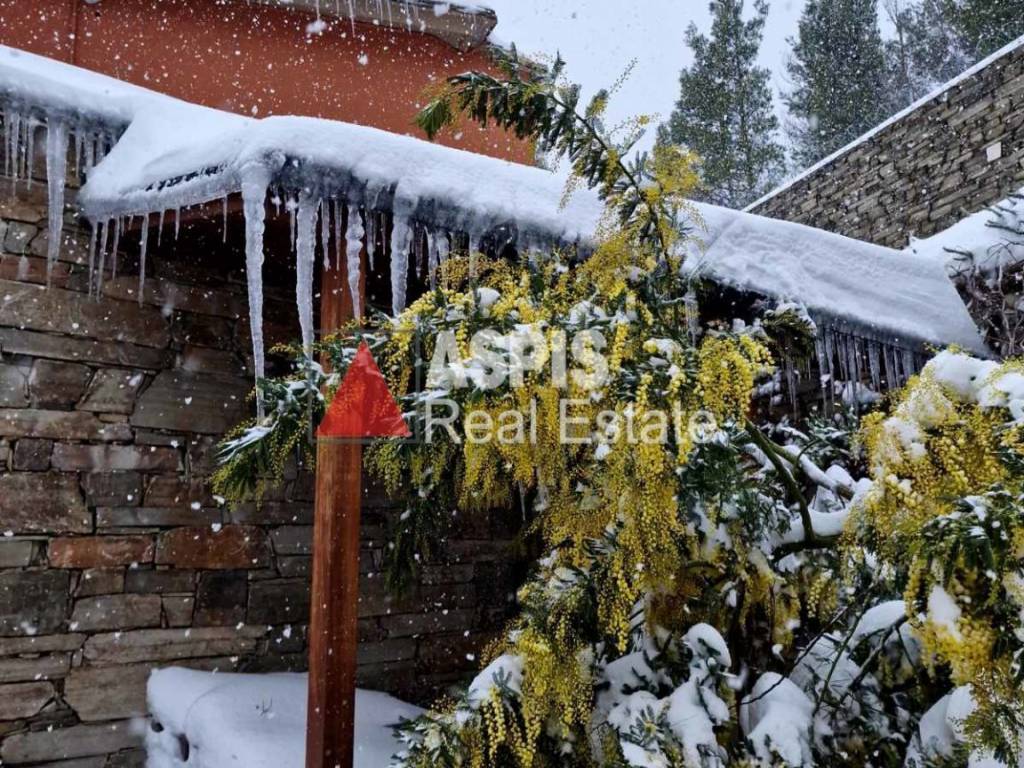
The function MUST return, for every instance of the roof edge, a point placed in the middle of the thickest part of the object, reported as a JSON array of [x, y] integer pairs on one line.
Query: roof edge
[[463, 27]]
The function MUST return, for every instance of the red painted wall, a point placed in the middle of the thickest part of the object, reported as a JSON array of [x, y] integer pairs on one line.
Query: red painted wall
[[253, 60]]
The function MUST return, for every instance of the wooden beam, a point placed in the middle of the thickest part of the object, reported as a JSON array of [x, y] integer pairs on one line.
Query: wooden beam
[[334, 605]]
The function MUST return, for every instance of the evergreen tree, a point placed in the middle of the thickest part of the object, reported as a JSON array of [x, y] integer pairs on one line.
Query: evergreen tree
[[925, 50], [724, 113], [839, 74], [986, 25]]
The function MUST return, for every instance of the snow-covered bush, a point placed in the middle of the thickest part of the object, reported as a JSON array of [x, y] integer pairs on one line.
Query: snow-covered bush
[[727, 594]]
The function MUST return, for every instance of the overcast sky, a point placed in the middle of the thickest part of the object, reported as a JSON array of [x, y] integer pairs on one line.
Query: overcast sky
[[598, 39]]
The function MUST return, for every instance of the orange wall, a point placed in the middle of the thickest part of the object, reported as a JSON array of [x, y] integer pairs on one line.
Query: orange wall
[[252, 59]]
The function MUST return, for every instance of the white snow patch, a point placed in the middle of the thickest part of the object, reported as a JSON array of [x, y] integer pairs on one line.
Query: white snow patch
[[254, 721]]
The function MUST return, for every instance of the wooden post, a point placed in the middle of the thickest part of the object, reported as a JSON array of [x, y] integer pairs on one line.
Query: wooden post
[[334, 605]]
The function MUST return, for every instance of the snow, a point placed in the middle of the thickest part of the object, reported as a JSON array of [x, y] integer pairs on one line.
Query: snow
[[880, 292], [173, 155], [776, 718], [939, 92], [985, 234], [254, 721]]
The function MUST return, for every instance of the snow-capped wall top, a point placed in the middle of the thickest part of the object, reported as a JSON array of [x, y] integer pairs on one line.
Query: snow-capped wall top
[[175, 154], [935, 94], [993, 237]]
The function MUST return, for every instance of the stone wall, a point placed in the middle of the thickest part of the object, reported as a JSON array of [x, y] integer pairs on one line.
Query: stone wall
[[114, 556], [960, 152]]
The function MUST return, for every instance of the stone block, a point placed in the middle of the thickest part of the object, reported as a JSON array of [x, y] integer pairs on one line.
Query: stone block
[[432, 622], [112, 489], [51, 666], [214, 361], [221, 598], [16, 341], [171, 644], [18, 553], [18, 236], [57, 385], [159, 582], [113, 390], [272, 513], [115, 458], [202, 330], [108, 693], [179, 610], [387, 650], [66, 743], [100, 581], [13, 386], [107, 612], [100, 551], [60, 425], [32, 602], [279, 602], [32, 455], [295, 567], [231, 547], [154, 517], [292, 540], [36, 644], [20, 700], [191, 402], [42, 503], [54, 310]]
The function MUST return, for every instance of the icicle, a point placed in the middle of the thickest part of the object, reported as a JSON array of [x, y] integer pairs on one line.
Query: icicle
[[177, 223], [90, 152], [113, 254], [8, 141], [336, 212], [692, 311], [143, 242], [56, 175], [819, 351], [791, 384], [93, 242], [14, 148], [305, 260], [400, 234], [431, 258], [325, 233], [30, 149], [353, 249], [224, 226], [160, 228], [352, 15], [909, 367], [373, 220], [890, 369], [875, 366], [255, 180], [102, 258]]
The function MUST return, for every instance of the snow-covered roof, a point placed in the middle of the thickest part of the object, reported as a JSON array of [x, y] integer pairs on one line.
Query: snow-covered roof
[[938, 93], [993, 237], [175, 154], [866, 289]]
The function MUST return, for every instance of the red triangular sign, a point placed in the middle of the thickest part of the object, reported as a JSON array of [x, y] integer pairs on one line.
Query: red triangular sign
[[363, 406]]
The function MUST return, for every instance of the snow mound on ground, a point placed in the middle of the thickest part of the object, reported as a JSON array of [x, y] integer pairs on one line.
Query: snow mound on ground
[[253, 721]]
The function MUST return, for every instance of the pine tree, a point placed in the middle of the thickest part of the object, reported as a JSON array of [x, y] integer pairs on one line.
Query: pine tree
[[724, 113], [986, 25], [925, 50], [838, 71]]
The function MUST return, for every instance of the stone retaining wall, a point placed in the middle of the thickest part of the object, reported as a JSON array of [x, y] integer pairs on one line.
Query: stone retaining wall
[[960, 152], [114, 556]]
